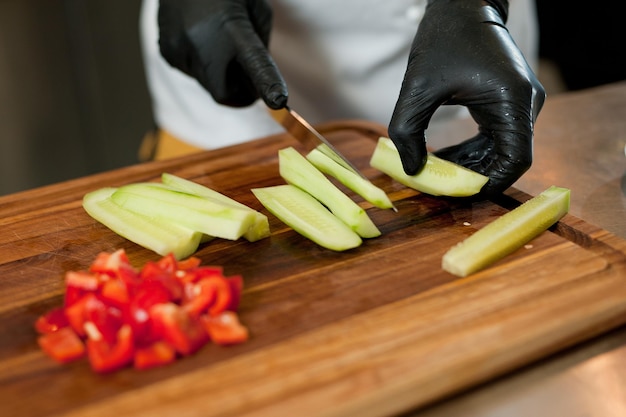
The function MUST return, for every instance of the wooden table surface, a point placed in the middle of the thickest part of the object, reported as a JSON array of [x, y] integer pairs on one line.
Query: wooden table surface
[[379, 330]]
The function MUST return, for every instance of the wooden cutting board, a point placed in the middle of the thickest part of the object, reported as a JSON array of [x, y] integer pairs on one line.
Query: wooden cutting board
[[378, 330]]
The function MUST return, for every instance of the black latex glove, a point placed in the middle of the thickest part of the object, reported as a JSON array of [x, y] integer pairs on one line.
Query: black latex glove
[[462, 54], [223, 44]]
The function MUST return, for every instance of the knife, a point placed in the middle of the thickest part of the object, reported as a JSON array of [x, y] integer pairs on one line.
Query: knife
[[306, 134]]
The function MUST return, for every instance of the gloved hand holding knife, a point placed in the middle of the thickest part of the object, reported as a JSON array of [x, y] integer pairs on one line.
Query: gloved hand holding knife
[[223, 44], [462, 54]]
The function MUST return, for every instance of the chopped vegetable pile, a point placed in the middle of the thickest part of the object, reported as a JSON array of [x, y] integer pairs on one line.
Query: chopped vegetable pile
[[118, 316]]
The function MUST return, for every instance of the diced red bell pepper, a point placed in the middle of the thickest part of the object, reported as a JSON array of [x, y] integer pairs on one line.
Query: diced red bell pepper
[[76, 313], [146, 316], [225, 328], [79, 283], [223, 294], [84, 280], [106, 318], [110, 263], [154, 273], [236, 288], [63, 345], [138, 310], [115, 292], [168, 263], [130, 277], [52, 321], [157, 354], [178, 328], [191, 262], [196, 274], [116, 265], [200, 296], [213, 294], [107, 357]]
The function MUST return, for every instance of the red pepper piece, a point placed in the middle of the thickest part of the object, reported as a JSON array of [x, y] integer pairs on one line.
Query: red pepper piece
[[224, 295], [236, 288], [200, 296], [209, 271], [115, 292], [106, 318], [196, 274], [225, 328], [83, 280], [109, 263], [178, 328], [115, 265], [191, 262], [130, 277], [52, 321], [138, 310], [79, 283], [63, 346], [168, 263], [77, 314], [157, 354], [153, 272], [107, 357]]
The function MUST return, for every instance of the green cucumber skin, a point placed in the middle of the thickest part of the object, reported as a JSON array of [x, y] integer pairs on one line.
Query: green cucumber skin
[[297, 170], [353, 181], [507, 233], [158, 237], [461, 183], [260, 229], [307, 216], [197, 213]]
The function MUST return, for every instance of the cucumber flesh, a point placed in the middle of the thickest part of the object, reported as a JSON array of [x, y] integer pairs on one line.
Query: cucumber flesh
[[438, 177], [298, 171], [307, 216], [507, 233], [162, 238], [163, 203], [353, 181], [258, 230]]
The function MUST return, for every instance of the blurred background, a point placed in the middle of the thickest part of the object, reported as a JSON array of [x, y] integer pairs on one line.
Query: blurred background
[[74, 101], [73, 97]]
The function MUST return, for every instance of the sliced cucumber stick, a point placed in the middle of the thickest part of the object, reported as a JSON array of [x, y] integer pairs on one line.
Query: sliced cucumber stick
[[200, 214], [307, 216], [160, 237], [260, 228], [507, 233], [298, 171], [438, 177], [350, 179]]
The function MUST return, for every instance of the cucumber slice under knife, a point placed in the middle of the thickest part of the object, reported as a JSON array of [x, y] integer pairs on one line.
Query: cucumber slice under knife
[[350, 179], [307, 216], [298, 171]]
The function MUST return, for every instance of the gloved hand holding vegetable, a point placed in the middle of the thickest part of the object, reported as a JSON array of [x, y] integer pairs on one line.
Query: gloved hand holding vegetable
[[223, 44], [462, 54]]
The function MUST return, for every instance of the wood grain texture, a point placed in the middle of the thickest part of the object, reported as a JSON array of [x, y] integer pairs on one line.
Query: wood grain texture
[[373, 331]]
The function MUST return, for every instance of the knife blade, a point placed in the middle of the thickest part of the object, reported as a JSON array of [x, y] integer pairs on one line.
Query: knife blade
[[306, 134]]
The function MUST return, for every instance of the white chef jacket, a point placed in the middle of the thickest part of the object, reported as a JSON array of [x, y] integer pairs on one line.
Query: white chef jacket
[[341, 59]]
